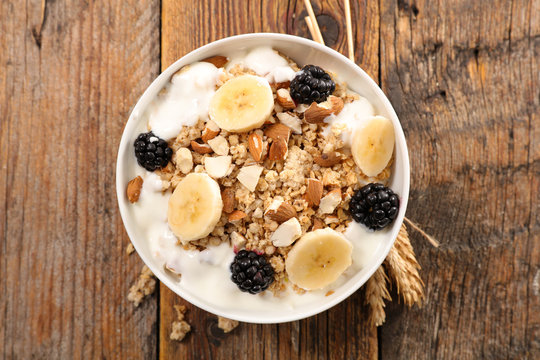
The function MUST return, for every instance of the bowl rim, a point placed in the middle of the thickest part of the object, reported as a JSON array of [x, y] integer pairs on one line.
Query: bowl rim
[[167, 73]]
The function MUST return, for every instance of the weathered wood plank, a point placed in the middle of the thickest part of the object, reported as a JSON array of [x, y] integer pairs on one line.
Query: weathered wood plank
[[341, 332], [464, 79], [65, 94]]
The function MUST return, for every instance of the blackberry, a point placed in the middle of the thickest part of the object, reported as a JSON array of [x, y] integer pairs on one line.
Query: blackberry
[[311, 84], [374, 205], [251, 272], [152, 152]]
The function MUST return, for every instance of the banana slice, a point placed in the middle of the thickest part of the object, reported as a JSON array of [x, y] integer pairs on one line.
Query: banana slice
[[373, 145], [318, 258], [242, 103], [194, 207]]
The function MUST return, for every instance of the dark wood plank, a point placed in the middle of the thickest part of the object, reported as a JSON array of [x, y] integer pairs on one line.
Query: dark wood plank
[[65, 94], [464, 79], [342, 332]]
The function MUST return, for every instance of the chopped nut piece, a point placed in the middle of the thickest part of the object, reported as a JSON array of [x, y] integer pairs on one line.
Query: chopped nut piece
[[184, 160], [256, 146], [331, 219], [220, 145], [217, 167], [317, 224], [249, 176], [210, 131], [218, 60], [286, 233], [316, 113], [330, 201], [290, 121], [280, 211], [328, 159], [170, 269], [133, 190], [330, 292], [236, 215], [227, 196], [277, 131], [238, 241], [201, 148], [227, 325], [284, 99], [314, 192], [278, 150]]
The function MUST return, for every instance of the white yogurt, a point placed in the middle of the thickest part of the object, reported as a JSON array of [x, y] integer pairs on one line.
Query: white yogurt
[[352, 117], [205, 274], [265, 62], [185, 101]]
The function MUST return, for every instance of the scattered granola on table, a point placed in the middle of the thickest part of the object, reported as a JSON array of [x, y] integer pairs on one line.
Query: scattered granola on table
[[180, 328], [144, 286]]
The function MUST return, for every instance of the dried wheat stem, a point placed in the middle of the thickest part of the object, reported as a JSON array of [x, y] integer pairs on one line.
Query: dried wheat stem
[[376, 293], [403, 269], [422, 232]]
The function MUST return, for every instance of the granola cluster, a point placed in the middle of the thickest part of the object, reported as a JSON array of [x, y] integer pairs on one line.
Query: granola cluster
[[295, 168]]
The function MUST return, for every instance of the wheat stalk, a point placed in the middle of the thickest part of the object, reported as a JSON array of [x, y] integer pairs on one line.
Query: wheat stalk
[[376, 293], [403, 269]]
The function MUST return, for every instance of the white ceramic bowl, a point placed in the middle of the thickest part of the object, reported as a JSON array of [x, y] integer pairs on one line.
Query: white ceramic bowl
[[302, 51]]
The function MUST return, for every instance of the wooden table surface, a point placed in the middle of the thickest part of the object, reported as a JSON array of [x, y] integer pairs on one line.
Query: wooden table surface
[[464, 78]]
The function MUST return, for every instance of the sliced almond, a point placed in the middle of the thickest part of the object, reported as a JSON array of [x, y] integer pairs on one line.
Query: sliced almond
[[316, 113], [328, 159], [211, 130], [227, 196], [317, 224], [291, 121], [314, 192], [329, 203], [236, 215], [218, 60], [283, 98], [256, 146], [201, 148], [220, 145], [133, 190], [278, 150], [282, 213], [277, 131]]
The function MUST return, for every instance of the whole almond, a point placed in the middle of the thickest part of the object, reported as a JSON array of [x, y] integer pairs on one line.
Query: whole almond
[[227, 196], [278, 150], [218, 60], [256, 146], [277, 131], [327, 159], [314, 192], [283, 98], [284, 212], [236, 215], [201, 148], [133, 190]]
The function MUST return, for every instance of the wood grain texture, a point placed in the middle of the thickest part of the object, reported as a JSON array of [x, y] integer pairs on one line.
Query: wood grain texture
[[464, 77], [65, 94], [340, 333]]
